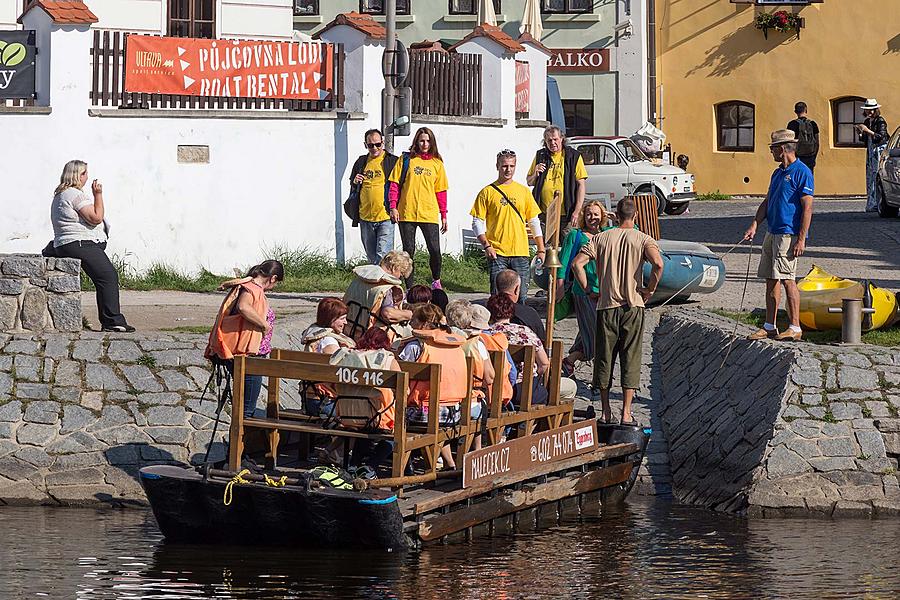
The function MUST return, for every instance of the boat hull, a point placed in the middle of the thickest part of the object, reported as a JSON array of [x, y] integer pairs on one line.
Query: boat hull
[[191, 509], [688, 268], [820, 290]]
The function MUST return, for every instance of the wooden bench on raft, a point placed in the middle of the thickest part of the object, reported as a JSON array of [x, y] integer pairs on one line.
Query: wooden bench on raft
[[313, 367], [549, 416]]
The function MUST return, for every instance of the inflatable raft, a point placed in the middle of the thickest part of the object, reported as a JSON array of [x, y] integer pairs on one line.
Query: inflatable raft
[[689, 268], [820, 290]]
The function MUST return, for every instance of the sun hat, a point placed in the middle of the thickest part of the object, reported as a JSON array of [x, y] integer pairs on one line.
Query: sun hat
[[782, 136], [871, 104], [481, 317]]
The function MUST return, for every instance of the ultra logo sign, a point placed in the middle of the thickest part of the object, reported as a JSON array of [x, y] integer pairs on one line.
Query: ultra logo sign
[[17, 53]]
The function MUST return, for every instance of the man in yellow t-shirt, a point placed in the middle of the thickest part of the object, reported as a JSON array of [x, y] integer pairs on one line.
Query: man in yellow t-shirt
[[370, 173], [499, 218], [558, 168]]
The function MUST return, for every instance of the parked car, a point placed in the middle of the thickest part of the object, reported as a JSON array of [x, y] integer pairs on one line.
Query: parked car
[[888, 178], [616, 166]]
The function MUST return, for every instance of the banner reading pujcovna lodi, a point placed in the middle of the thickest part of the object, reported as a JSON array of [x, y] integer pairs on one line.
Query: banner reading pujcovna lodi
[[229, 68]]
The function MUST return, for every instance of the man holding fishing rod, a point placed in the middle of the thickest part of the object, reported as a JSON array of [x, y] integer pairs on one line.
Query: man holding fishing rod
[[787, 210]]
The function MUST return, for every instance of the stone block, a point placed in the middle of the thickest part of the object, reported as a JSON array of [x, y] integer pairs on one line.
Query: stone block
[[811, 399], [135, 409], [199, 375], [123, 351], [75, 418], [36, 434], [176, 381], [857, 378], [64, 283], [169, 435], [6, 383], [65, 394], [847, 508], [852, 359], [877, 465], [845, 411], [878, 409], [886, 508], [6, 361], [68, 372], [794, 412], [888, 425], [804, 447], [891, 487], [166, 415], [66, 312], [57, 347], [102, 377], [141, 378], [77, 460], [39, 282], [817, 412], [112, 416], [34, 313], [45, 412], [89, 350], [24, 266], [782, 462], [80, 495], [47, 370], [891, 442], [33, 391], [72, 266], [124, 455], [201, 422], [85, 476], [871, 443], [92, 400], [836, 430], [22, 347], [28, 368], [832, 463], [9, 312], [16, 469], [843, 446], [126, 434], [11, 287], [34, 456], [162, 399], [807, 377], [11, 411], [74, 443], [772, 500]]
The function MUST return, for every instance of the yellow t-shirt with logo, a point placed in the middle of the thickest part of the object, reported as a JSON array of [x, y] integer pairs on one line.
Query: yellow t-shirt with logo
[[371, 196], [555, 176], [418, 200], [506, 231]]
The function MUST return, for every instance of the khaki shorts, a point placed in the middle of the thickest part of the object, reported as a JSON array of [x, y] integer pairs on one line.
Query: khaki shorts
[[778, 260]]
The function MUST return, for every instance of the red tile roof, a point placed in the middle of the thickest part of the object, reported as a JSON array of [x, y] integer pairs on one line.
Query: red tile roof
[[358, 21], [495, 33], [526, 37], [427, 46], [65, 12]]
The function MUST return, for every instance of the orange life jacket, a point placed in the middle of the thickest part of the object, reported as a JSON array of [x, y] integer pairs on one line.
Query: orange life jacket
[[232, 335], [470, 347], [445, 349], [497, 342], [359, 407]]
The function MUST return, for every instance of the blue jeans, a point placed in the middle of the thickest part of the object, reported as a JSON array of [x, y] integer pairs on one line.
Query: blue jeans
[[377, 239], [519, 264], [252, 387]]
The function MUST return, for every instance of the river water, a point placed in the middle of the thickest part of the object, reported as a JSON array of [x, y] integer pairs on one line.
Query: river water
[[647, 549]]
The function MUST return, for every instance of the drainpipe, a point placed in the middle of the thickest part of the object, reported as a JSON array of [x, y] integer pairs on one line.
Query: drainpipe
[[387, 97], [651, 62]]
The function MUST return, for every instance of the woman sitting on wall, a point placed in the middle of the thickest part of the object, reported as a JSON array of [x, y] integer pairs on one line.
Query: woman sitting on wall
[[433, 343], [245, 323], [79, 231]]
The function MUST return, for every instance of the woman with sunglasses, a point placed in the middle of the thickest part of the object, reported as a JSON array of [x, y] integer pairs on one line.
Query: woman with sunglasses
[[873, 132], [369, 178], [418, 200]]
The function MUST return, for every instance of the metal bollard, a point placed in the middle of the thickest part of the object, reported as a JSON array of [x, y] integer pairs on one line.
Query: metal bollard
[[851, 319]]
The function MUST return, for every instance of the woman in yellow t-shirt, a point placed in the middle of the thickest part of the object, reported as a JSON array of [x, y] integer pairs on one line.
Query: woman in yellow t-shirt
[[418, 199]]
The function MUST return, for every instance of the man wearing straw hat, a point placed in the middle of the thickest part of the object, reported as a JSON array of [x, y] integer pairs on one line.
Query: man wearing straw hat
[[787, 211]]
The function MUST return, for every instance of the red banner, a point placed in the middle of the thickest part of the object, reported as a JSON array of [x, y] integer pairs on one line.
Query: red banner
[[523, 87], [229, 68]]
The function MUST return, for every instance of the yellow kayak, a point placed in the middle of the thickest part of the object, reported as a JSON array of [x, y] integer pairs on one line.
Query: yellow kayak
[[820, 290]]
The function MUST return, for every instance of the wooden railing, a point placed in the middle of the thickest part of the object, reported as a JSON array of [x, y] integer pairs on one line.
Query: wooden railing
[[445, 83], [108, 85]]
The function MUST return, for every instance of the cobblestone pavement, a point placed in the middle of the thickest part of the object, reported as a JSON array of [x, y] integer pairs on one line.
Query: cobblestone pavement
[[843, 240]]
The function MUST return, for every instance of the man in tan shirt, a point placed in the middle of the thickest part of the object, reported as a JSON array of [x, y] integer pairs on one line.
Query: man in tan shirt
[[620, 254]]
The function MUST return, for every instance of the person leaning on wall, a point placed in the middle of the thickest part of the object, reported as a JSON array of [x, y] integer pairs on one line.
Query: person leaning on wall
[[80, 231]]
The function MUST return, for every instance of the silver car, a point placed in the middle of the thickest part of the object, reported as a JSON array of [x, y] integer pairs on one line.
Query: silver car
[[888, 182]]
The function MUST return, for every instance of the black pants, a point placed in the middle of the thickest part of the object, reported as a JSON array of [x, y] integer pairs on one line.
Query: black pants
[[103, 274], [432, 233], [809, 161]]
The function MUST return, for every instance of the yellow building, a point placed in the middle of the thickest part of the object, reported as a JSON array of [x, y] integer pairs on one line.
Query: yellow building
[[723, 86]]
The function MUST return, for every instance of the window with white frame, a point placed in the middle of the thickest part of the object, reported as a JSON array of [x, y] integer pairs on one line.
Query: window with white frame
[[306, 8], [847, 114], [735, 126], [376, 7], [566, 6], [469, 7]]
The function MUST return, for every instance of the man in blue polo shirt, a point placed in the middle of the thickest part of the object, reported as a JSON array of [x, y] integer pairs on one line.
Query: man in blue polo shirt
[[787, 210]]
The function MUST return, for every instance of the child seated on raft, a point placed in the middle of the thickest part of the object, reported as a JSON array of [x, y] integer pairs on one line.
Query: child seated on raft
[[434, 343]]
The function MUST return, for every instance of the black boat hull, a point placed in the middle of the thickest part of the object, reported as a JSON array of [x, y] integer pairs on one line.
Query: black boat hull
[[189, 509]]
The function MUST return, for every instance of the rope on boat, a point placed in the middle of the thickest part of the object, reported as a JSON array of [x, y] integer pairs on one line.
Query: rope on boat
[[237, 479], [280, 482]]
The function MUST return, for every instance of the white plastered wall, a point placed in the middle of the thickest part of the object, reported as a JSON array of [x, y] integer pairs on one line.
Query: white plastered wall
[[10, 10]]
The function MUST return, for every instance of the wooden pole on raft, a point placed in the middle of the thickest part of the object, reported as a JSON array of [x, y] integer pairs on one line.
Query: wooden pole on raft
[[551, 258]]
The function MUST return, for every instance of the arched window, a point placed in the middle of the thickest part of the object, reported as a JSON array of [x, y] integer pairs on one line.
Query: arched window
[[192, 18], [846, 113], [735, 126]]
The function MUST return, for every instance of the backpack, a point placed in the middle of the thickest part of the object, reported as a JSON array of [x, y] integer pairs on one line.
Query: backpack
[[807, 142], [403, 172]]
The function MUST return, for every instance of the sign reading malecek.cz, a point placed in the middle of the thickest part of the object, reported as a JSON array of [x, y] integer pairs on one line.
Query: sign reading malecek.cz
[[17, 51], [229, 68]]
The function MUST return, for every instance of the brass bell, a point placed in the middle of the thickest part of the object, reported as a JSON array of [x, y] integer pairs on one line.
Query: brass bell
[[552, 259]]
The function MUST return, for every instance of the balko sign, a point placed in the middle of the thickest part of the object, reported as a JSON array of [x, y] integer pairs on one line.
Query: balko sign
[[578, 60]]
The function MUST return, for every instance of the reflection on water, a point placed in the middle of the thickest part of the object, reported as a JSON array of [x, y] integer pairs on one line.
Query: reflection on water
[[647, 549]]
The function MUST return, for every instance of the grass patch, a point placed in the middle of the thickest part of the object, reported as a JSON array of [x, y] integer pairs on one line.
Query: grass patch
[[189, 329], [305, 270], [878, 337], [713, 196], [828, 417], [147, 360]]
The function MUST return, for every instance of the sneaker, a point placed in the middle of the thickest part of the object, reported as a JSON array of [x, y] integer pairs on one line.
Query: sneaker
[[789, 335], [762, 333], [118, 328], [436, 285]]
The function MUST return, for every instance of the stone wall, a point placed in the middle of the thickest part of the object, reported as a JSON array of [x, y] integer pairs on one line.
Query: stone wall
[[39, 294], [777, 428]]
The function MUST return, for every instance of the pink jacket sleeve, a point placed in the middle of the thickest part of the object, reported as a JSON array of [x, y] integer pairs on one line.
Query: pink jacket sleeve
[[442, 202], [394, 195]]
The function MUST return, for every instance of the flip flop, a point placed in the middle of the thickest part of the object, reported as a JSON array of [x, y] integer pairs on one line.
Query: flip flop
[[631, 423]]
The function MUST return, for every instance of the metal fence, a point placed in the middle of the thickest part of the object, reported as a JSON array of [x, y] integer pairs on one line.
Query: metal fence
[[445, 83], [108, 85]]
